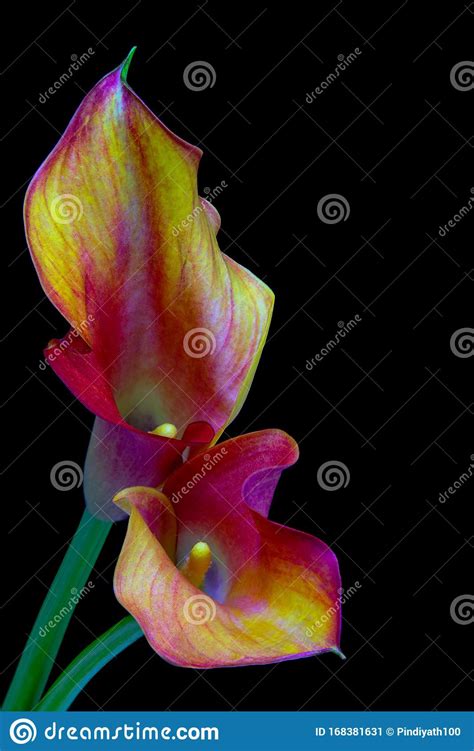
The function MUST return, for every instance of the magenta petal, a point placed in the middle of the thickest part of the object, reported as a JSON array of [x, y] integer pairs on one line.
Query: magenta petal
[[117, 458]]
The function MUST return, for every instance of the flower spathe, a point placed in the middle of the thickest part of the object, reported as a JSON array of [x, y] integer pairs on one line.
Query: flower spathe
[[171, 328], [211, 581]]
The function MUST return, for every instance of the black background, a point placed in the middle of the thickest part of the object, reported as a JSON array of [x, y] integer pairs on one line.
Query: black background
[[393, 402]]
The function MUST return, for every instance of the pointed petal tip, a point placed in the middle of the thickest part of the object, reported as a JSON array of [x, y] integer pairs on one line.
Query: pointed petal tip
[[338, 652], [126, 65]]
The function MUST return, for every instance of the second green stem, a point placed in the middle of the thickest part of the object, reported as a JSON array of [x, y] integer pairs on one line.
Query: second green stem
[[53, 618]]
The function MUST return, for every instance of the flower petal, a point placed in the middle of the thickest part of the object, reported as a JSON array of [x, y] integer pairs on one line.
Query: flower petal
[[119, 236], [119, 455], [282, 604], [271, 593], [245, 469], [81, 371], [156, 510]]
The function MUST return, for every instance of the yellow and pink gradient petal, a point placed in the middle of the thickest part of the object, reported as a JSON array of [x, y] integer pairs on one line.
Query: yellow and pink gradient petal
[[126, 250], [211, 581]]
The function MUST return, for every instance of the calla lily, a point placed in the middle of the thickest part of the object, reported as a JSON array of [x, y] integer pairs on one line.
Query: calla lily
[[166, 331], [210, 580]]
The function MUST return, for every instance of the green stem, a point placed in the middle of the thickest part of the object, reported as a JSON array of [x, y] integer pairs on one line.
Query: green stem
[[92, 659], [53, 618]]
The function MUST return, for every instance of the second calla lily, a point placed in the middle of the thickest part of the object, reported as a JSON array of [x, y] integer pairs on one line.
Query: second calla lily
[[210, 580], [166, 330]]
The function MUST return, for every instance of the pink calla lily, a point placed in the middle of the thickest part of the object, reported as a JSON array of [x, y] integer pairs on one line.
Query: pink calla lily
[[210, 580], [166, 331]]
